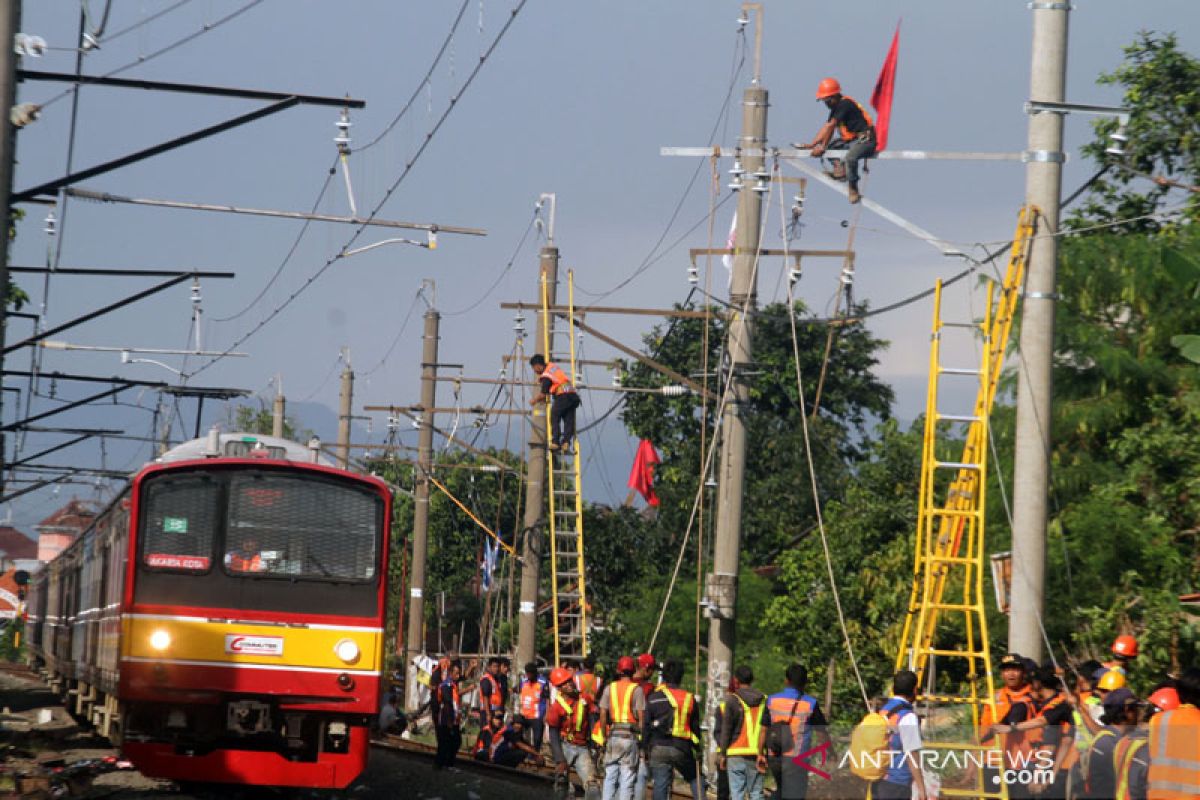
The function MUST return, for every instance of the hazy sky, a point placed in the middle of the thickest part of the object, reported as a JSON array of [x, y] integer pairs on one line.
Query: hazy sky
[[577, 99]]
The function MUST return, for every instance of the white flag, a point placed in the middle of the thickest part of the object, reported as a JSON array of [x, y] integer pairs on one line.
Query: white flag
[[727, 260]]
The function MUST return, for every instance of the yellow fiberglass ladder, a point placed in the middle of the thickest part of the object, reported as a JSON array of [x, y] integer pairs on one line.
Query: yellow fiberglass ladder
[[568, 587], [950, 533]]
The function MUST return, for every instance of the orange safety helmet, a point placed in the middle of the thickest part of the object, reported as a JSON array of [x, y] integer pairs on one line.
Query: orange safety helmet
[[1125, 645], [1166, 699], [559, 676], [828, 87], [1111, 680]]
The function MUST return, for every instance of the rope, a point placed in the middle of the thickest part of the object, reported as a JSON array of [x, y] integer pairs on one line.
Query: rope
[[812, 474], [725, 393], [468, 512]]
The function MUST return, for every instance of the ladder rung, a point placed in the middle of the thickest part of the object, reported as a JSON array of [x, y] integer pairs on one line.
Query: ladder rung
[[952, 699], [959, 325], [951, 653], [958, 417], [956, 465], [558, 512], [951, 559], [954, 512], [957, 371], [951, 607]]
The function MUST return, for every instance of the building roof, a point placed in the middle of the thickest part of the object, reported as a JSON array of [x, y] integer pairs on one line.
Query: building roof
[[74, 516], [14, 544]]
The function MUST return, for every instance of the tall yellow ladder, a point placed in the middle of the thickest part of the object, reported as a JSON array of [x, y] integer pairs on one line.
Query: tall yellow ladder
[[950, 533], [565, 495]]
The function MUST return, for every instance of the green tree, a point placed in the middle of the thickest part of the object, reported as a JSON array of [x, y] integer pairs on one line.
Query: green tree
[[1162, 89], [261, 420]]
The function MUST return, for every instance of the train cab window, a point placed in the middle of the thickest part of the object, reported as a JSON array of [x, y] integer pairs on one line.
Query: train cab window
[[180, 520], [301, 527]]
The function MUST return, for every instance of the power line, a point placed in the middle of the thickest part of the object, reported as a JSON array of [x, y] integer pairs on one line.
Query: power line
[[423, 82], [291, 251], [650, 259], [411, 308], [429, 137], [210, 26], [144, 21], [507, 267]]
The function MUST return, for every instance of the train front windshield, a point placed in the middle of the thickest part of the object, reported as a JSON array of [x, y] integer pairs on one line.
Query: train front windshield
[[259, 539]]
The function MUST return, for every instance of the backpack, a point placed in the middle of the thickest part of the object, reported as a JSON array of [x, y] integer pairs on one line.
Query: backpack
[[869, 743]]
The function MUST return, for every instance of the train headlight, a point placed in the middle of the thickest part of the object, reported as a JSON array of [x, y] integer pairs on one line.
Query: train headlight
[[160, 640], [347, 651]]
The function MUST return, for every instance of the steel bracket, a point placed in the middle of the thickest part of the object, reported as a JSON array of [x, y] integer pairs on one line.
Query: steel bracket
[[1043, 157]]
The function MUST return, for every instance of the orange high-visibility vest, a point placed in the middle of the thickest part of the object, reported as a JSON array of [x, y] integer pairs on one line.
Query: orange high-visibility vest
[[682, 701], [531, 699], [574, 724], [1127, 750], [746, 742], [794, 713], [1011, 743], [560, 383], [239, 563], [493, 698], [588, 684], [620, 698], [845, 132], [1175, 754]]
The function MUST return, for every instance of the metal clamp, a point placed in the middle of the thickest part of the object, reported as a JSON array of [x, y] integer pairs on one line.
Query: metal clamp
[[1042, 296], [1043, 157], [1050, 7]]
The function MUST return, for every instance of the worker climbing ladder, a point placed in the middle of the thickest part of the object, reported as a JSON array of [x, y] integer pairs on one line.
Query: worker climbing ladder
[[568, 587], [950, 533]]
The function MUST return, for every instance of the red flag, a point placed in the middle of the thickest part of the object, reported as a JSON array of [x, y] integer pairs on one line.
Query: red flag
[[641, 477], [881, 98]]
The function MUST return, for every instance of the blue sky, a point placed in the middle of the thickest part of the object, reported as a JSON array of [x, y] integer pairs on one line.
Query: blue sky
[[576, 100]]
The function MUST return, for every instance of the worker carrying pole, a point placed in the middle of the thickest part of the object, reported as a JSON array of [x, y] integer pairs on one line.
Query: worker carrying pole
[[855, 132]]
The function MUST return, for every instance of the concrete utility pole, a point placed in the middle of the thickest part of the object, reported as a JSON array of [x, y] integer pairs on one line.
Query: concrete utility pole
[[722, 583], [345, 415], [1031, 474], [420, 536], [535, 477], [279, 410], [10, 23]]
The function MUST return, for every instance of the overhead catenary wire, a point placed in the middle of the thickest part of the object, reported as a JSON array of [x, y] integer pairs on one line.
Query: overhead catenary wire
[[291, 250], [209, 26], [739, 60], [112, 37], [503, 272], [430, 136], [420, 84]]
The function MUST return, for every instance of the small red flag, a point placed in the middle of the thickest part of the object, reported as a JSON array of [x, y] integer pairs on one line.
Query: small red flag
[[641, 477], [881, 98]]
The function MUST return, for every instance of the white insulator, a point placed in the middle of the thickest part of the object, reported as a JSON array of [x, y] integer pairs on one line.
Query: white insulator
[[674, 390]]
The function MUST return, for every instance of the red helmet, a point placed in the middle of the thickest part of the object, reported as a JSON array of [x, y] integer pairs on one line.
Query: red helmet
[[646, 661], [1166, 699], [560, 675], [1125, 645], [625, 665], [828, 87]]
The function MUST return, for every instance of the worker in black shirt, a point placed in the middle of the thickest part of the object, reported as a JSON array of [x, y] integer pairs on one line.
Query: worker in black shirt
[[855, 131], [1046, 719], [555, 385], [670, 733]]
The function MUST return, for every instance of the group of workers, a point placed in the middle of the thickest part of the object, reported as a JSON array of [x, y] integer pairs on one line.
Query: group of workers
[[1083, 734], [1096, 739], [633, 731]]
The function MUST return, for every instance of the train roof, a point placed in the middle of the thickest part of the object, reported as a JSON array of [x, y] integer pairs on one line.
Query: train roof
[[241, 445]]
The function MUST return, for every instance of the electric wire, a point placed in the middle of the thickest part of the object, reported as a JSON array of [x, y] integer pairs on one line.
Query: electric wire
[[396, 339], [430, 136], [507, 267], [291, 251], [816, 495], [739, 60], [420, 85], [210, 26], [112, 37]]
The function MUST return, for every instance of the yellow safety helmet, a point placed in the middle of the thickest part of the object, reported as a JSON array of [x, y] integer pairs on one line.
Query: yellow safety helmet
[[1111, 680]]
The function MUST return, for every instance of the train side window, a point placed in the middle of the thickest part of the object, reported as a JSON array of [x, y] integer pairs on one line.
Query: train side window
[[180, 522]]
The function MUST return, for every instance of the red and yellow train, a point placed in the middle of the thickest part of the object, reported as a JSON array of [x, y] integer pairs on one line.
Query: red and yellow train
[[222, 619]]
